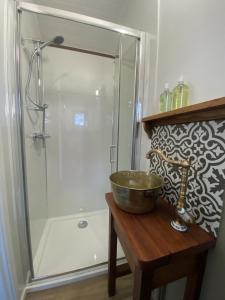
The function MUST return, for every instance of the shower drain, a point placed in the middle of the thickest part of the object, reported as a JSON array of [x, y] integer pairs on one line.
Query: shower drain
[[82, 224]]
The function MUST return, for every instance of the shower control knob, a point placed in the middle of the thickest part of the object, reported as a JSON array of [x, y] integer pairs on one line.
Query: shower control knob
[[38, 135]]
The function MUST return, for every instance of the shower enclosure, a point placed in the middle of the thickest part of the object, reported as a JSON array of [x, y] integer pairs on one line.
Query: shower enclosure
[[80, 104]]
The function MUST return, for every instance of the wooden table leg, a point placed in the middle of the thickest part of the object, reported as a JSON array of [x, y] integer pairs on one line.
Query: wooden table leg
[[194, 280], [112, 258], [142, 288]]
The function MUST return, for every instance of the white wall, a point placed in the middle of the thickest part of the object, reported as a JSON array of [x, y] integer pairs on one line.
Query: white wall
[[137, 14], [79, 35], [7, 288], [191, 42], [102, 9], [34, 151], [13, 243]]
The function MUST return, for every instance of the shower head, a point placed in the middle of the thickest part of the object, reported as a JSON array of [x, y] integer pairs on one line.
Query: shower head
[[57, 40]]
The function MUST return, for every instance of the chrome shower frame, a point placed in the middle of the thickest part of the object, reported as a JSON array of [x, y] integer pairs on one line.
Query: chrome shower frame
[[143, 51]]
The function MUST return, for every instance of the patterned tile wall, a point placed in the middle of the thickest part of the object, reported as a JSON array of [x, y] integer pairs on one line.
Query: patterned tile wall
[[204, 144]]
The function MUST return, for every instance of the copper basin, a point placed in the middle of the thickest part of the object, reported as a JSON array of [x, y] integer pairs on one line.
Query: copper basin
[[136, 191]]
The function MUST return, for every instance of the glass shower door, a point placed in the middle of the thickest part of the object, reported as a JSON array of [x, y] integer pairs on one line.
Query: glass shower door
[[79, 121], [90, 97], [126, 107]]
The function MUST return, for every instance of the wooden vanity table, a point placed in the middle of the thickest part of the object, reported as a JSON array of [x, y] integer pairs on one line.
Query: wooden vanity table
[[156, 253]]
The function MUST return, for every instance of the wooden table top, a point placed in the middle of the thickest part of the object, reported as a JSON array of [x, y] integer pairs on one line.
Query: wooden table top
[[151, 239]]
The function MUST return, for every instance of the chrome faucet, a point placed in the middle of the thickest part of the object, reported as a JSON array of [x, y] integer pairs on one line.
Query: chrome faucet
[[183, 217]]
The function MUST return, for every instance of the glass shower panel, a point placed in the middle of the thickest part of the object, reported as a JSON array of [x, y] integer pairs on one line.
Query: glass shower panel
[[113, 150], [86, 98], [127, 102], [79, 93], [35, 151]]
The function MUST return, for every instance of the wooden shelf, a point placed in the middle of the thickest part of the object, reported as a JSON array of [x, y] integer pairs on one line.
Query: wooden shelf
[[205, 111]]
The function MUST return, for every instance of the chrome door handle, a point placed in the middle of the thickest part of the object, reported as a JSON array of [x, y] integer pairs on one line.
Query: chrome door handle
[[110, 153]]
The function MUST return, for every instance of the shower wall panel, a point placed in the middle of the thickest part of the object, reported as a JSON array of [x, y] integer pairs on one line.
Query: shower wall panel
[[34, 150], [127, 101], [79, 92]]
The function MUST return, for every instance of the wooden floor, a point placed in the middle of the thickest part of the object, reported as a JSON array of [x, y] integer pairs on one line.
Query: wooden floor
[[91, 289]]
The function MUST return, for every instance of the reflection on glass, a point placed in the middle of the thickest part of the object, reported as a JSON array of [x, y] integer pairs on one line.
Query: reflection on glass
[[79, 119]]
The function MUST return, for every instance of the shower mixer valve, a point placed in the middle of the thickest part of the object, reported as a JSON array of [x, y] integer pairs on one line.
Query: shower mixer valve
[[39, 135]]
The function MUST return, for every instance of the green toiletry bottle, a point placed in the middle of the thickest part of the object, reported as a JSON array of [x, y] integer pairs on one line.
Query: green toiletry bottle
[[180, 97], [165, 99]]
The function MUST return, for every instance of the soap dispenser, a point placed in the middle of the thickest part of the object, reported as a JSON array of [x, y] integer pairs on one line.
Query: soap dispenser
[[165, 99], [180, 95]]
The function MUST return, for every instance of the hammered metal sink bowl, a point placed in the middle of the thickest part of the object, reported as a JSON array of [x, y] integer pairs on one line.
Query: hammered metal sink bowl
[[136, 191]]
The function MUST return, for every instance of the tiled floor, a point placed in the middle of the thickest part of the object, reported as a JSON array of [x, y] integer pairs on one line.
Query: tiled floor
[[91, 289]]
